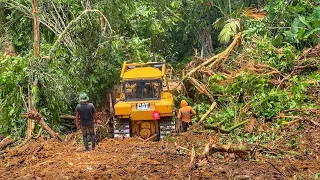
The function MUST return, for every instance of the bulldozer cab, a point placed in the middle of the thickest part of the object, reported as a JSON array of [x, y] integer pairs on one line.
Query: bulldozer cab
[[136, 90], [143, 96]]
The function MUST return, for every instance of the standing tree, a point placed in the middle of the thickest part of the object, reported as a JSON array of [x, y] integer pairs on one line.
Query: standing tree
[[36, 48]]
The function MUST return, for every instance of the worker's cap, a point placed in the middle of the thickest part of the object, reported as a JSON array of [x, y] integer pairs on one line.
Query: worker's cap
[[83, 97]]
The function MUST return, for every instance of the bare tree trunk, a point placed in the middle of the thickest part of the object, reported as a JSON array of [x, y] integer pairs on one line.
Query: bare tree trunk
[[207, 47], [36, 29], [36, 48]]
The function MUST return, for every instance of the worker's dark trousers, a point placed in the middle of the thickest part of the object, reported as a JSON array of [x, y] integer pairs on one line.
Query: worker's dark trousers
[[185, 126], [85, 137]]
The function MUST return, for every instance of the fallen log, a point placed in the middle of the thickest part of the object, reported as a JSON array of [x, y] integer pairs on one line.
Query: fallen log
[[236, 41], [230, 148], [220, 56], [242, 150], [35, 115], [67, 117], [6, 142], [223, 130]]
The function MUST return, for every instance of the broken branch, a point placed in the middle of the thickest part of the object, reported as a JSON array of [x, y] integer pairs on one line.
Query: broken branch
[[180, 147], [220, 56], [35, 115], [223, 55], [226, 131], [201, 88], [298, 119], [192, 158], [276, 168], [207, 113], [6, 142]]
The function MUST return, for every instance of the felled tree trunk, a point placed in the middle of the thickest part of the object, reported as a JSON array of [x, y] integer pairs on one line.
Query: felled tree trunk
[[35, 115], [230, 148], [67, 116], [243, 151], [6, 142], [218, 57]]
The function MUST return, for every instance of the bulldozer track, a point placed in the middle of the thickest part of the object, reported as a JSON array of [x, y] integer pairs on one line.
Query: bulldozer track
[[121, 127], [167, 126]]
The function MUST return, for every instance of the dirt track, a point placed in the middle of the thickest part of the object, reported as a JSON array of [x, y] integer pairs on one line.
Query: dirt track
[[116, 159], [133, 159]]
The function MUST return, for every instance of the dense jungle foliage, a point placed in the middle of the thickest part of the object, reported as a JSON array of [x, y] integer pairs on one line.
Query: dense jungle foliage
[[84, 43]]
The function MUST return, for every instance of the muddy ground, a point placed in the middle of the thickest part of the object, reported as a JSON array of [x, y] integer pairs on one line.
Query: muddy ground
[[133, 159]]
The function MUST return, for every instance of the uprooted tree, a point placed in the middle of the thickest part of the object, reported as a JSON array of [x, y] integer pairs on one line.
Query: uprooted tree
[[37, 117]]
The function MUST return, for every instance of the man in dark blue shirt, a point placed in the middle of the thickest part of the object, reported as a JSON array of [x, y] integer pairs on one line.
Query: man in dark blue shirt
[[86, 113]]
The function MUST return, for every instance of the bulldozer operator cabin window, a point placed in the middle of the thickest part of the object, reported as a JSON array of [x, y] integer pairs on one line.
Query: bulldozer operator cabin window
[[142, 89]]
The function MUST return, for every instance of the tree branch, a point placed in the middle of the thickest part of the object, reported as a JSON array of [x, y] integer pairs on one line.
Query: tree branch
[[62, 34], [222, 130]]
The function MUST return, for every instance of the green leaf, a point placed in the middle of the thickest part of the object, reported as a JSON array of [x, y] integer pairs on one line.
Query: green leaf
[[313, 31], [303, 20], [316, 13], [278, 40], [12, 110], [296, 25]]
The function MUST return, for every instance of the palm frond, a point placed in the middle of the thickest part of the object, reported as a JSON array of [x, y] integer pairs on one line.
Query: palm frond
[[219, 23], [231, 28]]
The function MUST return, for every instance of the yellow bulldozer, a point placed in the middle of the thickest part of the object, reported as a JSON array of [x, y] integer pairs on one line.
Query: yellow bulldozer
[[145, 107]]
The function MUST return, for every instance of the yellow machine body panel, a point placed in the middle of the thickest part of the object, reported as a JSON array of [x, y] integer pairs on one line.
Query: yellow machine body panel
[[142, 72], [143, 92], [128, 109]]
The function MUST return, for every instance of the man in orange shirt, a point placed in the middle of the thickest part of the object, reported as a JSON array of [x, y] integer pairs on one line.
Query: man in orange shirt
[[185, 113]]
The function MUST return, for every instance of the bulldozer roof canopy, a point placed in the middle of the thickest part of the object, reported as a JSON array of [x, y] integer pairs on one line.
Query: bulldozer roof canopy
[[143, 72]]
